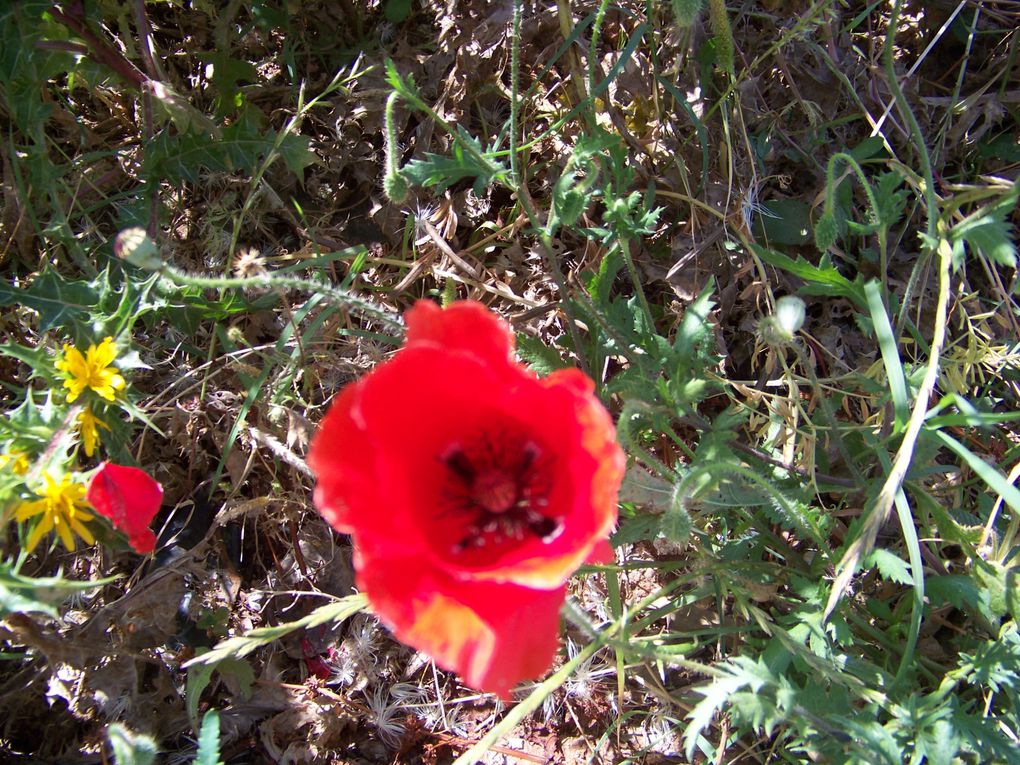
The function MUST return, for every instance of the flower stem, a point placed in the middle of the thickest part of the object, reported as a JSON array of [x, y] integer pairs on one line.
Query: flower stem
[[334, 295]]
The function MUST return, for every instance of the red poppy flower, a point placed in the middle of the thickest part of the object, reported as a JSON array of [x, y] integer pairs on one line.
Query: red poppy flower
[[130, 498], [472, 489]]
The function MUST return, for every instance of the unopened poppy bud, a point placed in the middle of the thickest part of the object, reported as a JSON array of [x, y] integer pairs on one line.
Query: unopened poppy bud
[[137, 248]]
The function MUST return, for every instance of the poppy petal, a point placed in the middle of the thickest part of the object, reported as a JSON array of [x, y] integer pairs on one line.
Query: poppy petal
[[130, 499], [492, 635], [342, 458], [463, 326]]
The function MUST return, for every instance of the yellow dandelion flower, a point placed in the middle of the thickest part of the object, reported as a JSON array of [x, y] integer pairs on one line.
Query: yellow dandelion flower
[[93, 370], [16, 461], [61, 506], [88, 427]]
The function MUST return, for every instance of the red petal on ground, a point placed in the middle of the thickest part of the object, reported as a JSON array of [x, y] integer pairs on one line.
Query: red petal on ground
[[130, 499]]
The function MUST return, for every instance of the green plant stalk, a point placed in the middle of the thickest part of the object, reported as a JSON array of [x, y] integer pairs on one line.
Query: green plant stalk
[[530, 704], [394, 184], [906, 520], [515, 90], [720, 22], [879, 511], [624, 245], [830, 201], [927, 177], [334, 295], [593, 46]]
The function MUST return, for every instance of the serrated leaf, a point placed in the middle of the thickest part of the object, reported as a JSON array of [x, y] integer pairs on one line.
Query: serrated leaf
[[209, 740], [637, 528], [242, 645], [131, 748], [988, 230], [543, 359], [891, 200], [183, 157], [443, 172], [733, 675], [58, 302], [990, 236], [297, 153], [890, 566]]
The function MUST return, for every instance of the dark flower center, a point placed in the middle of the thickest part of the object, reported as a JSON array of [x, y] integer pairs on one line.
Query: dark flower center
[[500, 494]]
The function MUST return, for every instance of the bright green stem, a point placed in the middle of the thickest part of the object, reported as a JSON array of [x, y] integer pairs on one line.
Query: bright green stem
[[596, 31], [394, 183], [720, 22], [334, 295], [515, 91], [830, 183]]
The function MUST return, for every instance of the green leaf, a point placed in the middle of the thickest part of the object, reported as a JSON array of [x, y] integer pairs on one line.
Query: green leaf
[[783, 221], [961, 591], [996, 481], [397, 11], [443, 172], [58, 302], [227, 75], [25, 594], [822, 279], [636, 528], [297, 153], [177, 157], [131, 748], [890, 353], [989, 232], [242, 645], [891, 200], [209, 740], [733, 675], [543, 359], [890, 566]]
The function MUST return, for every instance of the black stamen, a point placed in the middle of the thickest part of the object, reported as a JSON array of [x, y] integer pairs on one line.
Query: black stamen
[[460, 465], [543, 527]]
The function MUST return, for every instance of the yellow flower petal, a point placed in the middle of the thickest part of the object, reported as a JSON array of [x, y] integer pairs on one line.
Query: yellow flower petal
[[88, 426], [82, 530], [28, 510], [94, 370], [42, 528], [64, 532], [102, 355], [61, 506]]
